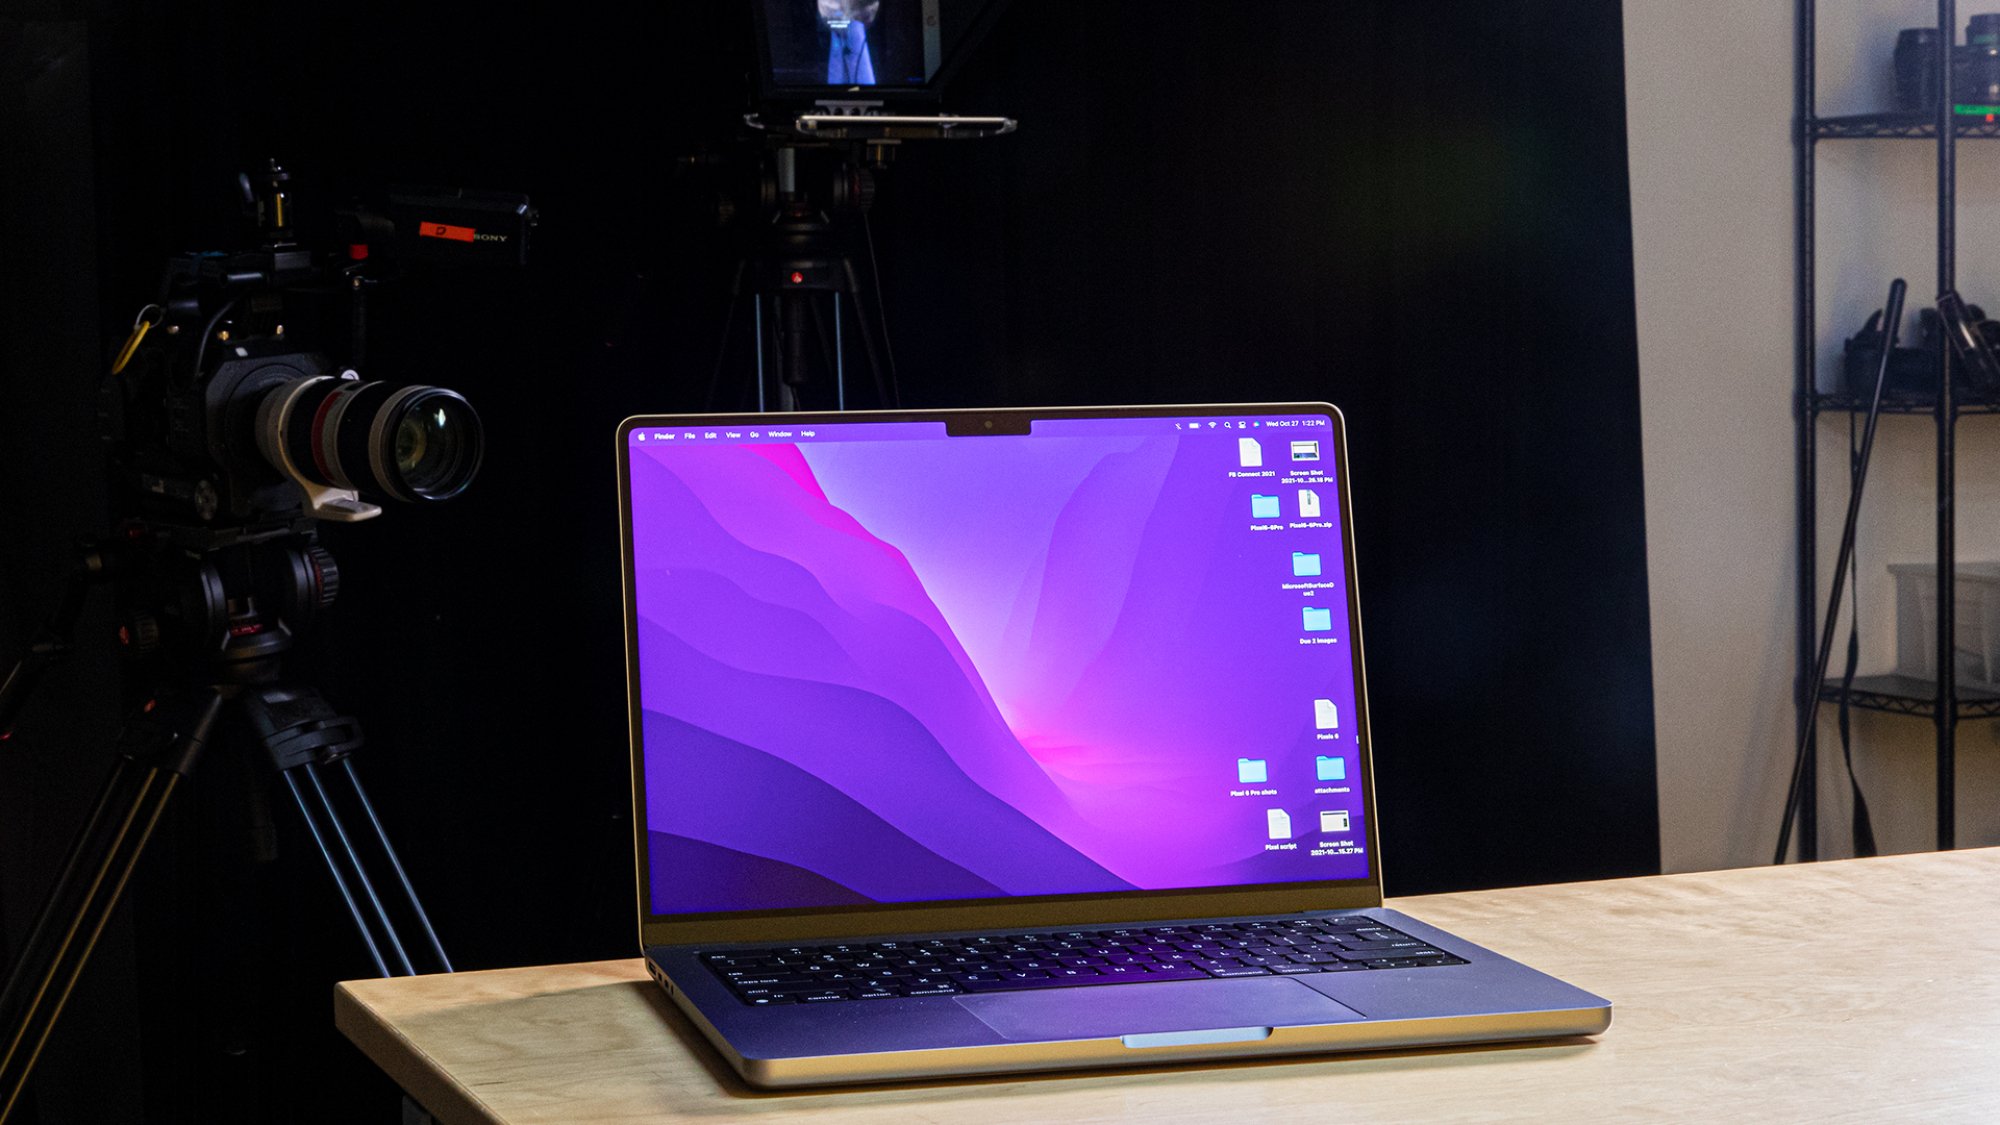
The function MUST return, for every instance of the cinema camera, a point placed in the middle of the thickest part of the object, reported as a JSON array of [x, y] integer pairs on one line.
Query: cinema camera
[[229, 441], [216, 413]]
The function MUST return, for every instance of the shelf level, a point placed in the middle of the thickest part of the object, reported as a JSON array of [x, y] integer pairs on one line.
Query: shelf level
[[1908, 695], [1839, 401], [1913, 124]]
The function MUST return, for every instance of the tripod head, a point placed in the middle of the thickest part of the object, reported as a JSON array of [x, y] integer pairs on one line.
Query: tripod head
[[225, 612], [810, 216], [796, 212], [772, 194]]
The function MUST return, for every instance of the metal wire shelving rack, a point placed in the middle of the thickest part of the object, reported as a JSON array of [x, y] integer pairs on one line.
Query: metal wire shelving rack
[[1944, 701]]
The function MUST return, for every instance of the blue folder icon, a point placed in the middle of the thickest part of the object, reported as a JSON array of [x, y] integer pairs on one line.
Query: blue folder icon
[[1319, 620], [1263, 507], [1305, 565], [1331, 767], [1252, 771]]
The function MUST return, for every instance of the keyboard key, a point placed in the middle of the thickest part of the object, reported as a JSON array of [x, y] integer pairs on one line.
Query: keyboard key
[[1211, 966], [1397, 943], [1017, 985], [1164, 972]]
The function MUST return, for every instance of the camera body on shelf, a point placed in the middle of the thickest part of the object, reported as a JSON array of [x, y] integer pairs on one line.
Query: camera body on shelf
[[1975, 67], [1913, 369]]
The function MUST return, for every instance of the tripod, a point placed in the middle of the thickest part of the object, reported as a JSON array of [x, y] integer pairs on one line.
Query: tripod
[[215, 612], [799, 279]]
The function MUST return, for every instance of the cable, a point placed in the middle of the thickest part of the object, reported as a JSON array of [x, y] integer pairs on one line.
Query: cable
[[207, 334]]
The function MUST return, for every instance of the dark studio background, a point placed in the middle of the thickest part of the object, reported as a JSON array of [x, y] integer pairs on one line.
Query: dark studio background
[[1417, 211]]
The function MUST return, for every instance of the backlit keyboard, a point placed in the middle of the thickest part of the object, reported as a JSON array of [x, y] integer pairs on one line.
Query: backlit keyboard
[[863, 970]]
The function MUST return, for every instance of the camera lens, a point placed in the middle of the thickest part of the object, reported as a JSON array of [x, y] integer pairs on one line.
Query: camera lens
[[405, 442], [435, 444], [1916, 63]]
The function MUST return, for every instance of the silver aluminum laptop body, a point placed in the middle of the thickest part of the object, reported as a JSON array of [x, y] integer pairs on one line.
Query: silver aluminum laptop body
[[1021, 683]]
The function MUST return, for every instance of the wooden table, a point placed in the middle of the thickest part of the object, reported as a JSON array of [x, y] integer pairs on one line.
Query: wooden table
[[1859, 990]]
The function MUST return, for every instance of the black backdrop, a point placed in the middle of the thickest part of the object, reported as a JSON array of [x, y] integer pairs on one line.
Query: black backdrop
[[1415, 210]]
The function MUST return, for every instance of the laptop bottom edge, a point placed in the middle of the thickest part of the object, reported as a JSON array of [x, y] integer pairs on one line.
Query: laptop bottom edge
[[1200, 1045]]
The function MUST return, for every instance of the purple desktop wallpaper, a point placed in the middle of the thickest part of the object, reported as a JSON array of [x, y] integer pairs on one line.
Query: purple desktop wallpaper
[[879, 664]]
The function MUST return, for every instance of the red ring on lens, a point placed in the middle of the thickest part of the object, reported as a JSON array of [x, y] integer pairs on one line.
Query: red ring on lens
[[318, 430]]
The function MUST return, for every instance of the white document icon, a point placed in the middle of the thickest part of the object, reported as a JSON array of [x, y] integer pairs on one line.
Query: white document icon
[[1304, 565], [1319, 620], [1333, 820], [1248, 453], [1280, 823], [1308, 504], [1263, 507], [1325, 715]]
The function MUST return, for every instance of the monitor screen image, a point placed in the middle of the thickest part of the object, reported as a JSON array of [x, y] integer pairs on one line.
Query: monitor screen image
[[848, 43]]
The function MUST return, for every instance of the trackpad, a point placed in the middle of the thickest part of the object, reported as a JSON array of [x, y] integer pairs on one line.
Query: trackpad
[[1243, 1008]]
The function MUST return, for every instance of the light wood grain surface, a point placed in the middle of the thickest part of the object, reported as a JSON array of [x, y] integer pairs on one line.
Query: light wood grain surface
[[1859, 990]]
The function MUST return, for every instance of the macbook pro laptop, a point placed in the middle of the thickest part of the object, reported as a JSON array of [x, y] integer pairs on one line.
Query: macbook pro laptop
[[968, 742]]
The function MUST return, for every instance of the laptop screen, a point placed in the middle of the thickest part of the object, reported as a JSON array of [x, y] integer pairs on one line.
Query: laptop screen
[[882, 661]]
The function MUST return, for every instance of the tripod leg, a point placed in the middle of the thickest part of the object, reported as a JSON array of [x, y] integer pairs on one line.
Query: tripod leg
[[793, 316], [339, 880], [839, 359], [29, 1031], [757, 328], [360, 871], [872, 347], [722, 350], [299, 730], [395, 863], [65, 885]]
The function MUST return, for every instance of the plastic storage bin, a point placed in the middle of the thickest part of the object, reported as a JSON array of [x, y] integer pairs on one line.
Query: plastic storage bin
[[1977, 637]]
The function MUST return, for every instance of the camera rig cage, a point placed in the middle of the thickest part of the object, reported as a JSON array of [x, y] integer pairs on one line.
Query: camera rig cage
[[216, 413]]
